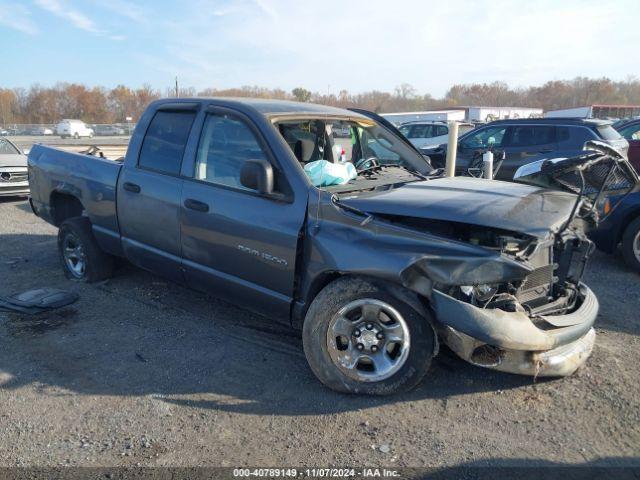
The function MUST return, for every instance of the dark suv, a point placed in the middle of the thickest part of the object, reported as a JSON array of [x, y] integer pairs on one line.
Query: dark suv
[[524, 140]]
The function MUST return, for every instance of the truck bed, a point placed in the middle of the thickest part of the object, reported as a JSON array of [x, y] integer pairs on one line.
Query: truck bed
[[54, 173]]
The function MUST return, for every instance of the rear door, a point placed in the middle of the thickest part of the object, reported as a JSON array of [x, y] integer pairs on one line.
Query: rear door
[[236, 243], [524, 142], [149, 195]]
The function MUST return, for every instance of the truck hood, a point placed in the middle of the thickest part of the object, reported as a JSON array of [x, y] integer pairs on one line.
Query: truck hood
[[509, 206], [13, 160]]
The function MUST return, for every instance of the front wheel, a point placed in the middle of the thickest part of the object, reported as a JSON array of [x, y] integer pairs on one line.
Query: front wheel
[[359, 338], [82, 258], [631, 245]]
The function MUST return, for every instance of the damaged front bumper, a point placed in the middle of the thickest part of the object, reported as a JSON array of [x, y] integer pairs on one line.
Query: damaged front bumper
[[511, 342]]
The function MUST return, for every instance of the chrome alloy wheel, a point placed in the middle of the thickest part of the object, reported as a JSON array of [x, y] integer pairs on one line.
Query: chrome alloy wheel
[[74, 256], [368, 340]]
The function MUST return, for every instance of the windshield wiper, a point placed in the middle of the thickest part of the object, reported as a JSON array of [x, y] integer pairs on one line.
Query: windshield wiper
[[408, 169]]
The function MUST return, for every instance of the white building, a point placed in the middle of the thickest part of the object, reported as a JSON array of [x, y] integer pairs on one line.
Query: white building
[[478, 114], [597, 111], [487, 114], [429, 115]]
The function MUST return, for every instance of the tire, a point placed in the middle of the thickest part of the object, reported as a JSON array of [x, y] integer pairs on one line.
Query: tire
[[76, 240], [76, 136], [341, 304], [631, 237]]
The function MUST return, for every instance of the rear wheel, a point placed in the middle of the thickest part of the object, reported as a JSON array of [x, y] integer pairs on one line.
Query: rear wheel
[[359, 338], [82, 258], [76, 136], [631, 245]]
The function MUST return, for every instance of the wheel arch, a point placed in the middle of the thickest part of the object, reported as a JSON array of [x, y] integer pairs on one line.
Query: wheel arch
[[417, 302], [624, 224], [64, 205]]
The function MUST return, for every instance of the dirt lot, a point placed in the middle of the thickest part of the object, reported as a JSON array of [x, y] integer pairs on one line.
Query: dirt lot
[[140, 371]]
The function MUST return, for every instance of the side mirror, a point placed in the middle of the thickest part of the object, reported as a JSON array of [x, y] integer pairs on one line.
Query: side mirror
[[257, 175], [26, 151]]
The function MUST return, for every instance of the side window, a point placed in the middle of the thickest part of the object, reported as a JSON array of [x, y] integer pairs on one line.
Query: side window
[[417, 131], [632, 132], [563, 134], [225, 144], [165, 140], [528, 135], [405, 130], [484, 137], [439, 130]]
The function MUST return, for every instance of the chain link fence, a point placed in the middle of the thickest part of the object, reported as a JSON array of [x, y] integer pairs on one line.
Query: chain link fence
[[49, 129]]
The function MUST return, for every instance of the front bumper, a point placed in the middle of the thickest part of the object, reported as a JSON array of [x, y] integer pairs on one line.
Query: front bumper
[[511, 342], [558, 362], [10, 190]]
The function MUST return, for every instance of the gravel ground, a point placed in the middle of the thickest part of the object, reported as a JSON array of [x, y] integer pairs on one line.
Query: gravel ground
[[143, 372]]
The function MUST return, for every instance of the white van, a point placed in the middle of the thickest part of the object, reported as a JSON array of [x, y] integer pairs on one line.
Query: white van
[[73, 128]]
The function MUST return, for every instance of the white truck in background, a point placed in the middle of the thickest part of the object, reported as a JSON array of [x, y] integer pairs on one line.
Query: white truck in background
[[73, 128]]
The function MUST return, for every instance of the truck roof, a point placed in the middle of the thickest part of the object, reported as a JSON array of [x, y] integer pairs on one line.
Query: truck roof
[[270, 107]]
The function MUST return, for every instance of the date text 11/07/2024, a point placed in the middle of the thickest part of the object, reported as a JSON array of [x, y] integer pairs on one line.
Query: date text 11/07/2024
[[316, 472]]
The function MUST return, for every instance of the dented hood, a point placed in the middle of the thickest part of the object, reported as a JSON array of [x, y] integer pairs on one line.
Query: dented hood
[[510, 206]]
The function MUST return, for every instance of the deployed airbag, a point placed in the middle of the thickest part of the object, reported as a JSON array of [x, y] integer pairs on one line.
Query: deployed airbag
[[323, 173]]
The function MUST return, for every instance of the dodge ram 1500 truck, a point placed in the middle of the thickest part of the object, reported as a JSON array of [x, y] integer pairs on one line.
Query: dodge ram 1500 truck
[[376, 272]]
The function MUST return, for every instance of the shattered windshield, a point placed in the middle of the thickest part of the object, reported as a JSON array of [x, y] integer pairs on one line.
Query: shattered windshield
[[378, 155]]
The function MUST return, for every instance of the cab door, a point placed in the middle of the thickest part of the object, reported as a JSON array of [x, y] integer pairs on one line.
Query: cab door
[[236, 243], [149, 195]]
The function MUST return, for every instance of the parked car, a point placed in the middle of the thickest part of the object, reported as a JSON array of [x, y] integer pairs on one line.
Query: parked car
[[376, 272], [13, 170], [38, 131], [45, 131], [108, 130], [3, 132], [631, 132], [422, 134], [73, 128], [525, 140], [621, 228]]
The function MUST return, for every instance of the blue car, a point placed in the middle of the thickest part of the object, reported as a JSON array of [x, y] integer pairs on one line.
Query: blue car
[[621, 227]]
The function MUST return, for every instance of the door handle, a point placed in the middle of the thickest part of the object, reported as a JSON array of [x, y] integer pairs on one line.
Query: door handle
[[131, 187], [196, 205]]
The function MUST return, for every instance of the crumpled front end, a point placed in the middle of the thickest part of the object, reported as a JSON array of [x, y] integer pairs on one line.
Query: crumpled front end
[[524, 311], [516, 342]]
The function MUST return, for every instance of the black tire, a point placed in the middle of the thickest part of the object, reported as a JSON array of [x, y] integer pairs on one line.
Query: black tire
[[342, 293], [76, 136], [97, 265], [628, 238]]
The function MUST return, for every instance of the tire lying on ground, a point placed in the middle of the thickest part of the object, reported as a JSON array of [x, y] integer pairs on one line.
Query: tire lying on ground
[[82, 258], [360, 338], [631, 245]]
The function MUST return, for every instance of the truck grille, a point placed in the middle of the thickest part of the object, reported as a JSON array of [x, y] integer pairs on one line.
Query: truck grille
[[536, 287]]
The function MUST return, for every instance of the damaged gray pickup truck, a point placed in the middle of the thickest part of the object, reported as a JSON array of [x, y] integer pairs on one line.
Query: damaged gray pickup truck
[[376, 272]]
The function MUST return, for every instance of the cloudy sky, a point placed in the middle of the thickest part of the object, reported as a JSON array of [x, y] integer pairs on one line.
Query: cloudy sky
[[329, 44]]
